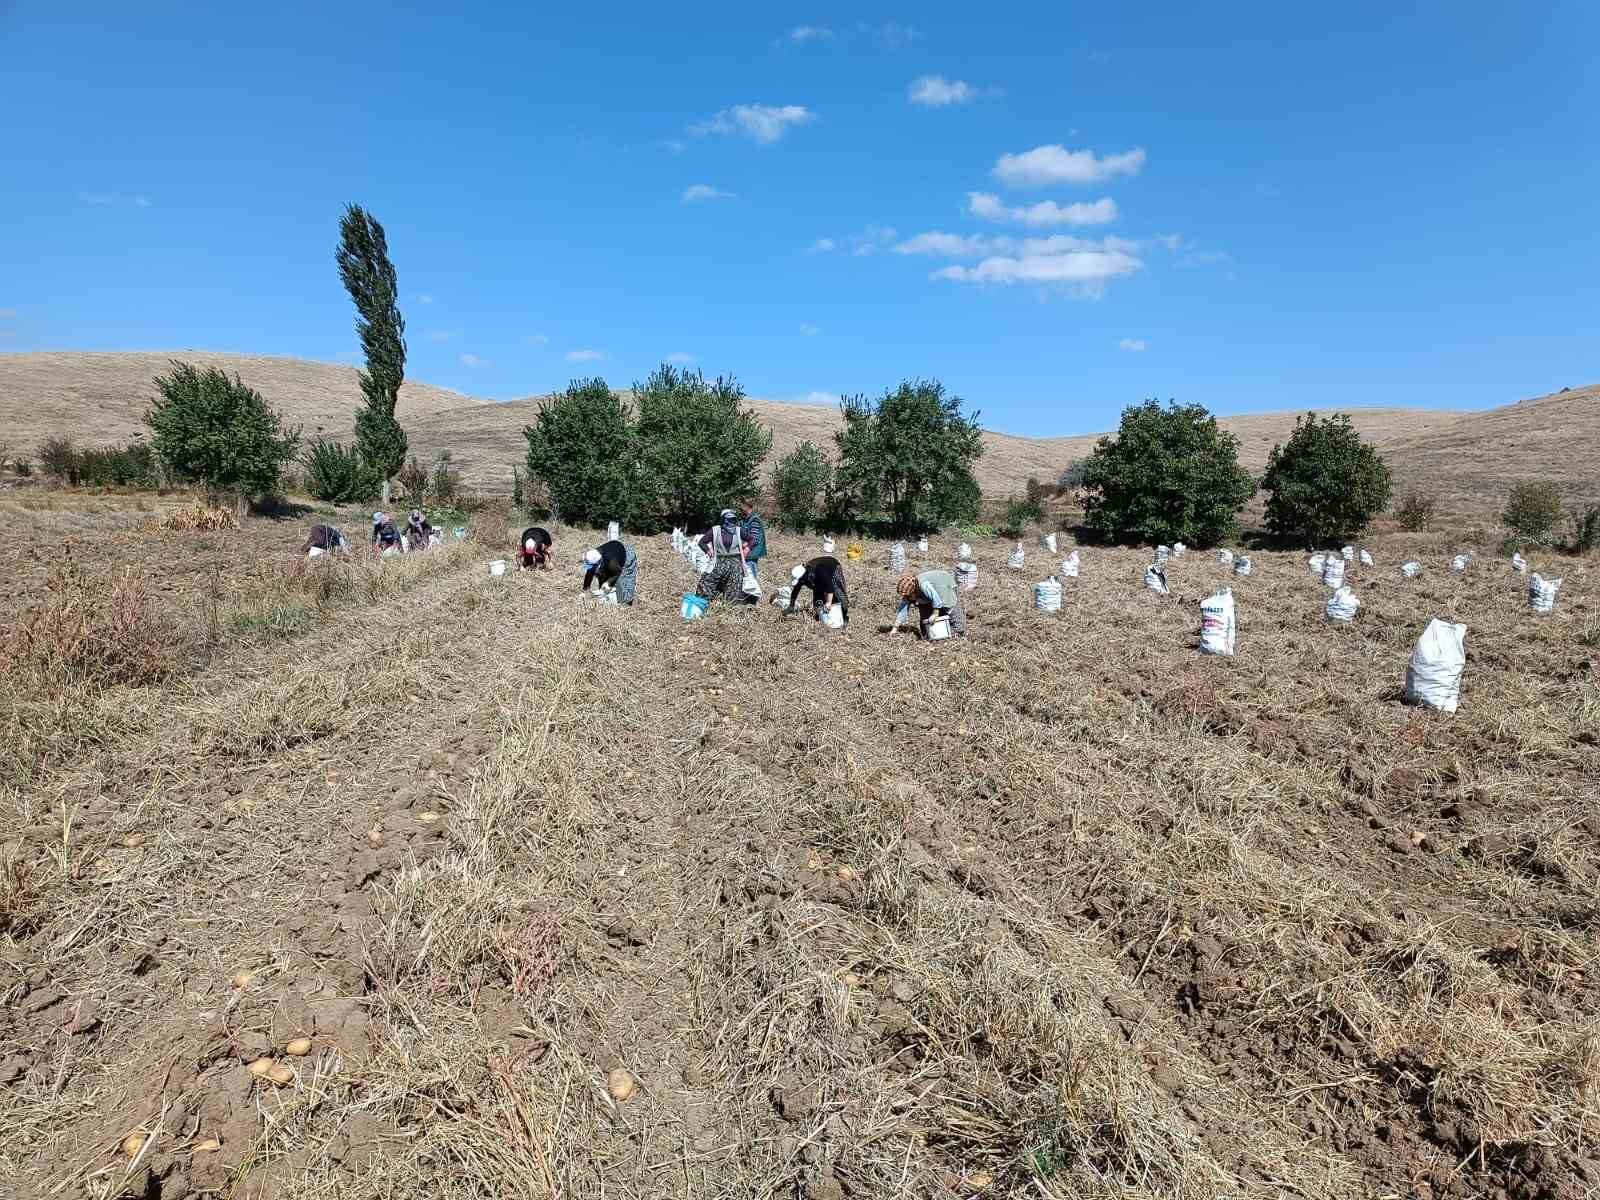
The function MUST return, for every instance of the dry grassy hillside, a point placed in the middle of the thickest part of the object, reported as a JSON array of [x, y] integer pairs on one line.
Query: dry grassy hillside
[[100, 398], [1475, 458]]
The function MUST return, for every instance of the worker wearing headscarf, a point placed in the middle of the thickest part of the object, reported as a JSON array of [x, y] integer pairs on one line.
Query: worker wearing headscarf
[[931, 593], [535, 548], [728, 550], [825, 577], [612, 565], [419, 532], [326, 538], [384, 535]]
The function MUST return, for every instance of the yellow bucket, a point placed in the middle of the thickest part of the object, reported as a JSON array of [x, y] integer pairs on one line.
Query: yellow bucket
[[855, 551]]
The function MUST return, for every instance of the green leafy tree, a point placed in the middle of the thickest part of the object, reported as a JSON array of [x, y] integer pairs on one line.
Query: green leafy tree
[[1416, 511], [1325, 483], [800, 479], [584, 449], [1168, 475], [1533, 510], [909, 455], [369, 277], [59, 457], [700, 446], [216, 431], [336, 474]]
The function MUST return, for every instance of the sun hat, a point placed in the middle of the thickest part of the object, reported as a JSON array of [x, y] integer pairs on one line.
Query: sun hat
[[797, 573], [592, 557]]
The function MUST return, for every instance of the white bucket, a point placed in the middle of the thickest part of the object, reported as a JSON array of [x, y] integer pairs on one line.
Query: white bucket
[[497, 567], [1047, 595], [605, 596], [827, 545], [936, 629], [833, 616], [315, 552], [922, 545]]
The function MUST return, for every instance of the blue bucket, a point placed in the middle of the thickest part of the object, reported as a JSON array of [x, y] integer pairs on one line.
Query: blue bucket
[[694, 607]]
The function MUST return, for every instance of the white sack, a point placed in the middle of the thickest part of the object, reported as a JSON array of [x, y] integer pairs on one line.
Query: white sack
[[1433, 677], [827, 545], [1216, 623], [922, 545], [1411, 569], [1047, 595], [1018, 557], [1366, 559], [1542, 593], [1342, 605], [1225, 557], [1178, 549], [1348, 553], [1050, 542], [1316, 562], [613, 531], [1459, 562], [1069, 566], [1155, 579], [1519, 564], [967, 574], [1333, 571], [1162, 554], [1241, 565], [964, 552], [897, 557]]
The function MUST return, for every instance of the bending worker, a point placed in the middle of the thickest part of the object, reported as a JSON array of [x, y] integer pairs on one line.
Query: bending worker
[[384, 534], [934, 593], [326, 538], [825, 577], [535, 548], [612, 564]]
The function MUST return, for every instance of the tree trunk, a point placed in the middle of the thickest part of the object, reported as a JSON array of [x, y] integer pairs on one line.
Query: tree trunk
[[386, 493]]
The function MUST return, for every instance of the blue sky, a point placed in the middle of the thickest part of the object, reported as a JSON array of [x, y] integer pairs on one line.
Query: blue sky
[[1056, 209]]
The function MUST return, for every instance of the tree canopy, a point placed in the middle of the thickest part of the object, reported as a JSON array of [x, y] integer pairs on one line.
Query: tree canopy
[[583, 448], [1168, 474], [700, 446], [369, 277], [1325, 484], [218, 432]]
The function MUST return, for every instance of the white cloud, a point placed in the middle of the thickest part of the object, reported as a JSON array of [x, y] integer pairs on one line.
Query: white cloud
[[704, 191], [806, 330], [1056, 164], [437, 335], [1136, 345], [764, 123], [892, 34], [536, 339], [951, 245], [1205, 258], [829, 398], [822, 246], [113, 198], [472, 360], [584, 355], [424, 299], [680, 357], [1047, 212], [935, 91], [955, 245], [872, 239], [801, 34], [674, 145], [1082, 271]]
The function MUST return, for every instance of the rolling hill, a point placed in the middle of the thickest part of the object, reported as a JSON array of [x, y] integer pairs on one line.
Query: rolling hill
[[1467, 458]]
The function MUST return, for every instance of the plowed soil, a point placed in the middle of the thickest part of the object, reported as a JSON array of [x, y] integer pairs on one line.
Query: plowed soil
[[506, 895]]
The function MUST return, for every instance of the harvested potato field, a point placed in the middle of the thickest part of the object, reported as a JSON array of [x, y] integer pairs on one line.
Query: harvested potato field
[[457, 886]]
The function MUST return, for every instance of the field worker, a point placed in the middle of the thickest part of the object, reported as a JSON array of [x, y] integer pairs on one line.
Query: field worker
[[934, 593], [754, 530], [327, 539], [534, 548], [384, 534], [612, 564], [728, 550], [418, 531], [825, 577]]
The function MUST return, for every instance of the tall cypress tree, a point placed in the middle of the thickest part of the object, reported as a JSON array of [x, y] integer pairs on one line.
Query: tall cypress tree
[[369, 277]]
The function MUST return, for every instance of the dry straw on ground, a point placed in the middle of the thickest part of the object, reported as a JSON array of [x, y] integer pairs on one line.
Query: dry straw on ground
[[1063, 911]]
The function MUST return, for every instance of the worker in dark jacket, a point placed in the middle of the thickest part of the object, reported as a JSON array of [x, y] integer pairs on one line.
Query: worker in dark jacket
[[535, 548], [326, 538], [384, 535], [825, 577], [612, 565]]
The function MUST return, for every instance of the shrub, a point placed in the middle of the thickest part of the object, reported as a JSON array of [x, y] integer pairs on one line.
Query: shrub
[[89, 631], [1326, 484], [1071, 476], [1584, 521], [1416, 511], [336, 474], [910, 455], [1169, 474], [1533, 510], [699, 446], [23, 467], [133, 465], [1020, 513], [218, 432], [58, 458], [800, 479], [413, 480], [445, 485], [583, 447]]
